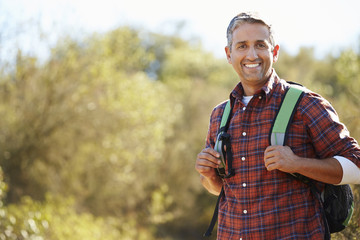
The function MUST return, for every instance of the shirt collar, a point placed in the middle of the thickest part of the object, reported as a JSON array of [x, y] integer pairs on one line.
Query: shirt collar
[[266, 91]]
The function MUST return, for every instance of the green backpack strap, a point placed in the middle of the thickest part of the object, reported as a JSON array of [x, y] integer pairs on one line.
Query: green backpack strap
[[222, 129], [223, 139], [285, 115], [226, 114]]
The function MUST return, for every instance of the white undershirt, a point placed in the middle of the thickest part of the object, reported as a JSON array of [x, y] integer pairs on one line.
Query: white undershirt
[[351, 172], [246, 99]]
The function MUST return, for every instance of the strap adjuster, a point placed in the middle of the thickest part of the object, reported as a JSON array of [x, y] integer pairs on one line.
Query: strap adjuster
[[223, 140]]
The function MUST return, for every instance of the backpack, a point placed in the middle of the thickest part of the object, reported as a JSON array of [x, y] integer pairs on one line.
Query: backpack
[[337, 201]]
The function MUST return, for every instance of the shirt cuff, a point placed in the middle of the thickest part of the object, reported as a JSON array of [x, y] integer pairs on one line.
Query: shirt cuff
[[351, 172]]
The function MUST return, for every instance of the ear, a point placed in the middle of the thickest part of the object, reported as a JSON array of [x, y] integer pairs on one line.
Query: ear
[[228, 54], [276, 53]]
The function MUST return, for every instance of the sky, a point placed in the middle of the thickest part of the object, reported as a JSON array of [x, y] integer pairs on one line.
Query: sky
[[327, 25]]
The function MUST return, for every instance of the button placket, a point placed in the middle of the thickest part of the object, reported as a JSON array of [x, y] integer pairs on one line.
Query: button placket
[[243, 134]]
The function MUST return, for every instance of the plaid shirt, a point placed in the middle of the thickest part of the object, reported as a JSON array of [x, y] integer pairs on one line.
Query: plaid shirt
[[271, 205]]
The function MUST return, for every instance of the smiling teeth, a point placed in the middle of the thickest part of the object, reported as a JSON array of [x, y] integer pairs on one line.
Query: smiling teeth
[[252, 65]]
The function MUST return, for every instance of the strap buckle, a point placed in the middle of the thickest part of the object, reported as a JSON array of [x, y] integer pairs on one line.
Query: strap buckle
[[223, 140]]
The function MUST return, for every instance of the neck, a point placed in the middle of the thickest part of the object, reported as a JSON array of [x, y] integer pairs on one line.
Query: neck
[[250, 90], [253, 86]]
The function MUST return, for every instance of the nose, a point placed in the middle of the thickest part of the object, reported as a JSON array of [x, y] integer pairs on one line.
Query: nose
[[252, 54]]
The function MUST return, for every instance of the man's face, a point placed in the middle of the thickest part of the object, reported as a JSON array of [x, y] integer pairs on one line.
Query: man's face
[[251, 54]]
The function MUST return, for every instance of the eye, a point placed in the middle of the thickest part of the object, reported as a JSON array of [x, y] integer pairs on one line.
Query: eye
[[241, 46], [261, 45]]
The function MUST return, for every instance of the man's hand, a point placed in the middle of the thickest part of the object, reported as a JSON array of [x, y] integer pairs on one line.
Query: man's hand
[[327, 170], [206, 162], [281, 158]]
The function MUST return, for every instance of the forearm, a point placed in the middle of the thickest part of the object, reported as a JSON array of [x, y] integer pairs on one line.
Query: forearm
[[213, 185], [327, 170]]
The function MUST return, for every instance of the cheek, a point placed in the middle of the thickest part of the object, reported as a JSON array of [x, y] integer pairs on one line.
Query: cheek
[[235, 59]]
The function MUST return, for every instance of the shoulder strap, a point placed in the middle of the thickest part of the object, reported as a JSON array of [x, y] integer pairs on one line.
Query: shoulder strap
[[225, 116], [215, 215], [285, 114], [223, 126]]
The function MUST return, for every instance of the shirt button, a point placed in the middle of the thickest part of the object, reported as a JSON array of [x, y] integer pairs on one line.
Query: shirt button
[[245, 211], [244, 184], [244, 108], [244, 133], [260, 97], [243, 159]]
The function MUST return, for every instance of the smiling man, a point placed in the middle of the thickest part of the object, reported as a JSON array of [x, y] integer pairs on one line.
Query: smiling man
[[261, 201]]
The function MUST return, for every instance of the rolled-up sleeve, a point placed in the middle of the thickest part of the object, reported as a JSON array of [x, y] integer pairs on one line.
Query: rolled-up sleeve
[[329, 136]]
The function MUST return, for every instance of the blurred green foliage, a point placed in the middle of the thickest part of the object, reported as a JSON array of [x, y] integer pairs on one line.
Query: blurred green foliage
[[100, 140]]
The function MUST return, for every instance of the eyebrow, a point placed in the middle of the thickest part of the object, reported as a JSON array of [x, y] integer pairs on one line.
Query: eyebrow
[[257, 41], [241, 42]]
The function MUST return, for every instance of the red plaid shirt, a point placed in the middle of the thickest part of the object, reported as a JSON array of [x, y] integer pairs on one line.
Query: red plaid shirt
[[271, 205]]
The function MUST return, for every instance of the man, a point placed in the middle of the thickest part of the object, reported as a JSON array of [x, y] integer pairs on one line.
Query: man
[[261, 201]]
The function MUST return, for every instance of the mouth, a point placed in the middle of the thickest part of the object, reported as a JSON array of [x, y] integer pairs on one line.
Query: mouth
[[253, 65]]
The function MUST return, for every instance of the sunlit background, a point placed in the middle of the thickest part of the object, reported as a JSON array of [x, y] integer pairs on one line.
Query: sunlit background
[[104, 106], [327, 25]]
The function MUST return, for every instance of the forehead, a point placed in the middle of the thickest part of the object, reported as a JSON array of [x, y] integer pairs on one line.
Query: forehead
[[249, 32]]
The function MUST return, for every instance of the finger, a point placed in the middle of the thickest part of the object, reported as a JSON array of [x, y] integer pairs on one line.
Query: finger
[[271, 158], [271, 148], [269, 153], [271, 167], [203, 170], [268, 161], [210, 155], [212, 151], [201, 162]]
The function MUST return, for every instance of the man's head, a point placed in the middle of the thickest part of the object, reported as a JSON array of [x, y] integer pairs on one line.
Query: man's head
[[247, 17], [251, 50]]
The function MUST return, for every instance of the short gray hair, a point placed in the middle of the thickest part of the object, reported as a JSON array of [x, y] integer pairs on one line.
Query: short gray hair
[[247, 17]]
